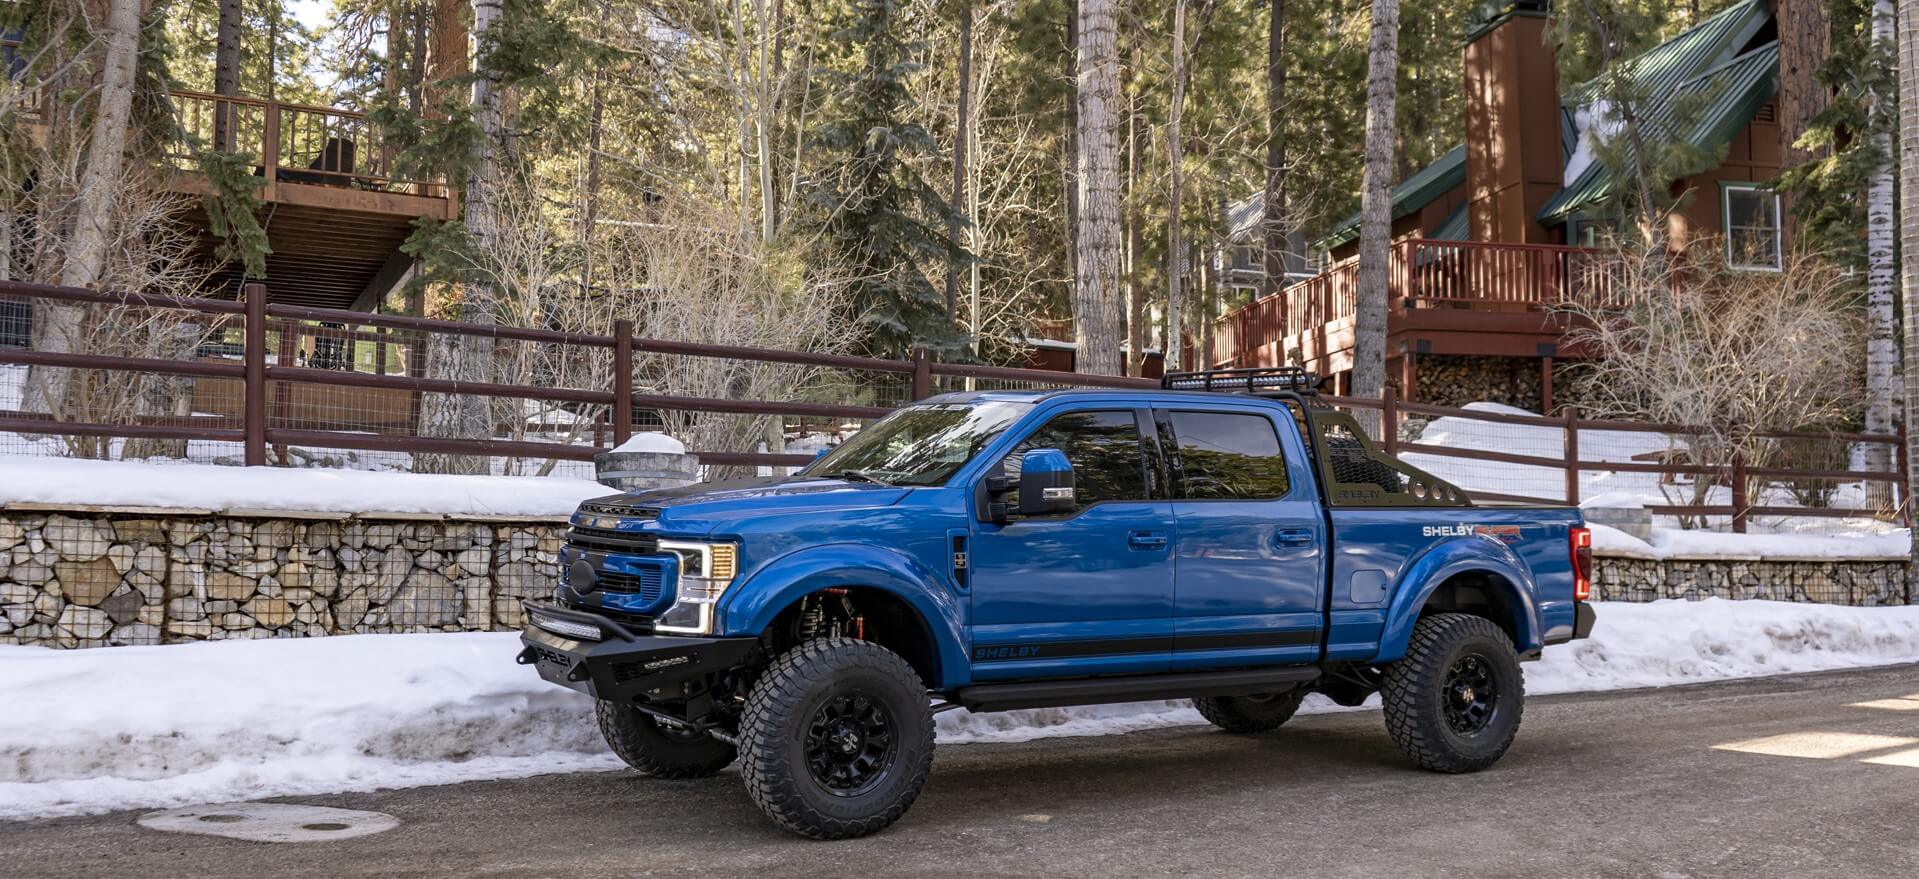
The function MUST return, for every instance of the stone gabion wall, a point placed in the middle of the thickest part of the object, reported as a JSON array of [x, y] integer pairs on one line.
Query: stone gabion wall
[[86, 579], [1864, 583]]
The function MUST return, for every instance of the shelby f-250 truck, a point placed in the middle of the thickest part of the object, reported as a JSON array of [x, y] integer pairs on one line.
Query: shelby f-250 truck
[[1227, 539]]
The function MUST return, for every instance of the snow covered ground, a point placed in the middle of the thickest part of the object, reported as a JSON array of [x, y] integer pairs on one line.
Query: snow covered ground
[[88, 731], [213, 487], [1620, 489]]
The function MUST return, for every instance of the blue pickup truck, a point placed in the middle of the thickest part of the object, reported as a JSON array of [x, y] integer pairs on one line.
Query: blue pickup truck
[[1227, 539]]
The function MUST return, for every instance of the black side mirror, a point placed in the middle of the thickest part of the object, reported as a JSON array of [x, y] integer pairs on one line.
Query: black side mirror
[[1046, 483]]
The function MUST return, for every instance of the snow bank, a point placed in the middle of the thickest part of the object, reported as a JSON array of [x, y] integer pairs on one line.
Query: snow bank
[[201, 486], [1669, 543], [653, 442], [90, 731]]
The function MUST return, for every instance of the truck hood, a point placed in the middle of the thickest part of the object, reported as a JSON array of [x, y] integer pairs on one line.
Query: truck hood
[[709, 504]]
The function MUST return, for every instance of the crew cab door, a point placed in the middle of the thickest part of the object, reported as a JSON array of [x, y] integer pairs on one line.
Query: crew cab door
[[1249, 547], [1086, 592]]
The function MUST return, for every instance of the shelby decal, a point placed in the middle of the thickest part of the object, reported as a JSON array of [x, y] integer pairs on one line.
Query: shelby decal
[[1501, 533]]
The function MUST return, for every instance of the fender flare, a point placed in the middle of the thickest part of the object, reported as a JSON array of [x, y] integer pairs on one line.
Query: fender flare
[[1461, 556], [750, 606]]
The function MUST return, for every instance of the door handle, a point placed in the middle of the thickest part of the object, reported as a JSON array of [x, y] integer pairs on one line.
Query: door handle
[[1146, 540], [1293, 536]]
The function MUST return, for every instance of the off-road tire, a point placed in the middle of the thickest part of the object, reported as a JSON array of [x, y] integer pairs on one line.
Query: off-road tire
[[1250, 714], [648, 746], [785, 705], [1415, 693]]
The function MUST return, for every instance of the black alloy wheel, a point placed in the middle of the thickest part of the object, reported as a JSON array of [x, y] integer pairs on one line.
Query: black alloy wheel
[[851, 744], [1471, 697]]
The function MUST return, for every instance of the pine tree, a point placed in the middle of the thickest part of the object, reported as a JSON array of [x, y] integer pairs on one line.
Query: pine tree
[[879, 220], [1375, 223]]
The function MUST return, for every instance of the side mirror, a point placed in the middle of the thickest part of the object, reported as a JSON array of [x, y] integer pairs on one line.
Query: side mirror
[[1046, 483]]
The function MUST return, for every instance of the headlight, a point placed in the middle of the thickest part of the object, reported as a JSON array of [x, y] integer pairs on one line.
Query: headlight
[[706, 569]]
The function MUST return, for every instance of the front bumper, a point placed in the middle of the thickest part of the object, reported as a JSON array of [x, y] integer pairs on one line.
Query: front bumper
[[624, 666]]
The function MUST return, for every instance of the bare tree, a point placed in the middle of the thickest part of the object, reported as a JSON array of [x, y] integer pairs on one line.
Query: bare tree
[[1908, 41], [1097, 242], [59, 328], [1737, 355], [1375, 211], [1882, 346], [1273, 226], [1176, 179]]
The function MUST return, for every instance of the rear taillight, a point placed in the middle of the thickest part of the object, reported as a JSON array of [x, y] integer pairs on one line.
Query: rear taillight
[[1582, 549]]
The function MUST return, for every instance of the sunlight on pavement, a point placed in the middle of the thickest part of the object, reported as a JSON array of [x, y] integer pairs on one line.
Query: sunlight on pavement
[[1902, 703], [1818, 745], [1908, 757]]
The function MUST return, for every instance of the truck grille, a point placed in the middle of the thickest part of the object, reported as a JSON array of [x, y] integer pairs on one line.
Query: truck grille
[[593, 509], [648, 582], [608, 540]]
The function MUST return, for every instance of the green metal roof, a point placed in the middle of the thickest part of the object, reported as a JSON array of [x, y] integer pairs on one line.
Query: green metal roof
[[1410, 195], [1453, 228], [1697, 62]]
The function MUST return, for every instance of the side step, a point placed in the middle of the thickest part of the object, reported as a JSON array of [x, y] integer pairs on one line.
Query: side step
[[1137, 688]]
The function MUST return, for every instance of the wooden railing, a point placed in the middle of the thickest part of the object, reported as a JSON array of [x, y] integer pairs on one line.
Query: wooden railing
[[292, 143], [1423, 274]]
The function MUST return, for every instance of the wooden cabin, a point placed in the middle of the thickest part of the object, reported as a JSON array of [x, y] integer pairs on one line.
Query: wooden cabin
[[1497, 230]]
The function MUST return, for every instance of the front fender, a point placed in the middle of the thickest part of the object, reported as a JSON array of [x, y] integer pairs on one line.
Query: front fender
[[1445, 561], [750, 606]]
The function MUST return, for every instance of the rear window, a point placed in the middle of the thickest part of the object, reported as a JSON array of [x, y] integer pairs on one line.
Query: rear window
[[1227, 456]]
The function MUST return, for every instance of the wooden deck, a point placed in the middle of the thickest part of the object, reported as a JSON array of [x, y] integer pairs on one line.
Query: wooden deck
[[334, 213], [1446, 297]]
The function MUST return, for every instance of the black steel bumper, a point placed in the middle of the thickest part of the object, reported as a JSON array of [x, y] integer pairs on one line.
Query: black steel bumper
[[623, 665], [1583, 618]]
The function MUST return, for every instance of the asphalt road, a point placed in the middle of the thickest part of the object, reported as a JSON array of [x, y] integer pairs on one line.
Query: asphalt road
[[1616, 785]]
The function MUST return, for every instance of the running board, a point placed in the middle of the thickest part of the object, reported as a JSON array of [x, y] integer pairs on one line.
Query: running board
[[1138, 688]]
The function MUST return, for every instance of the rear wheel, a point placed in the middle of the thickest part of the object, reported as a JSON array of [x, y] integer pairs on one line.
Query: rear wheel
[[1453, 704], [1260, 713], [658, 748], [837, 739]]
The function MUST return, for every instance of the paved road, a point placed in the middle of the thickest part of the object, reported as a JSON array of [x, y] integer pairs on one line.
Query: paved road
[[1618, 785]]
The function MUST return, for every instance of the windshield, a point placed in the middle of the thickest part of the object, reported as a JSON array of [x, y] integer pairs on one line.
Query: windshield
[[919, 445]]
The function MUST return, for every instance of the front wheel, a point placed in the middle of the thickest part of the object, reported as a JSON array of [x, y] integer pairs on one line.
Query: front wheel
[[836, 739], [1453, 703], [658, 748]]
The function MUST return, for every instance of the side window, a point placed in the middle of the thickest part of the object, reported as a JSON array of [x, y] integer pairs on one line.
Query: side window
[[1104, 448], [1228, 456]]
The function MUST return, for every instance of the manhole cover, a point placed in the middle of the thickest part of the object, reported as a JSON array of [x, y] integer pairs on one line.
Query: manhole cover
[[269, 822]]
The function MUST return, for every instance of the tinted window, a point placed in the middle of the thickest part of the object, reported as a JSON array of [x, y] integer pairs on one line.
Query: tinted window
[[1105, 451], [1223, 456]]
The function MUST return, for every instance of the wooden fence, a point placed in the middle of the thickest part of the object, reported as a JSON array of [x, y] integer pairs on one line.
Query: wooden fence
[[256, 360]]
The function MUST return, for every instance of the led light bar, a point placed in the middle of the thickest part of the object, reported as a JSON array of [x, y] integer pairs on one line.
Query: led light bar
[[1251, 380], [569, 628]]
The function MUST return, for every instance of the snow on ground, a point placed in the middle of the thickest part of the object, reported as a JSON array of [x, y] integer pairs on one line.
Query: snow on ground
[[202, 486], [1669, 543], [1631, 490], [89, 731]]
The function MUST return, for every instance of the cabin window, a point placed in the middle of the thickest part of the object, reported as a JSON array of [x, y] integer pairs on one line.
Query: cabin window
[[1751, 217]]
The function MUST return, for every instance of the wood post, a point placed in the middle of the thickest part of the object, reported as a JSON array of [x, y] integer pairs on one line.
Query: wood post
[[1545, 386], [922, 373], [270, 151], [622, 381], [1572, 456], [1389, 420], [254, 385], [1739, 499], [1904, 485]]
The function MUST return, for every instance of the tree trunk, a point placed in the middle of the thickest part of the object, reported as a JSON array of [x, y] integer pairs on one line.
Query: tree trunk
[[1175, 236], [1882, 347], [58, 328], [1375, 213], [1804, 38], [1135, 231], [1096, 289], [1273, 221], [469, 358], [1908, 42], [960, 128], [1070, 171], [226, 70]]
